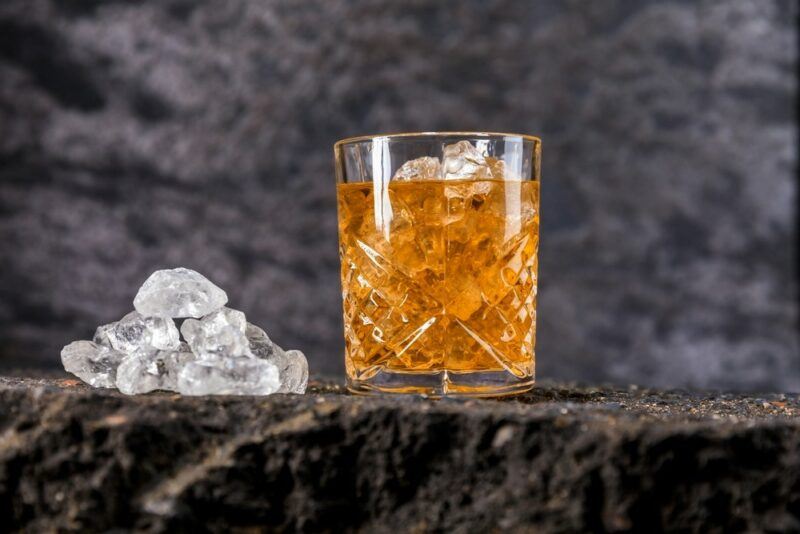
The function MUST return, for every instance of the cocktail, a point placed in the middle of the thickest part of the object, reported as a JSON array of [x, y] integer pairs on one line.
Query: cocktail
[[439, 235]]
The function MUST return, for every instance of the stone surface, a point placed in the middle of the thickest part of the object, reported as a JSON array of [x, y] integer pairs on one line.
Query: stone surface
[[562, 458], [139, 135], [178, 292]]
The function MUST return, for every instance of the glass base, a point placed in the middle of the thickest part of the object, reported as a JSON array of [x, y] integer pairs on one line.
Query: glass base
[[442, 383]]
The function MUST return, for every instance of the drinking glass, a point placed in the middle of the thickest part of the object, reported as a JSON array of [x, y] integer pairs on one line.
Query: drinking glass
[[438, 241]]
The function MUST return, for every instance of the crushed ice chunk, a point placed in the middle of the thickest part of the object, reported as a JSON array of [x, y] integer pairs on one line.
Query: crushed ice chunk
[[221, 333], [260, 344], [425, 168], [178, 292], [459, 192], [137, 333], [294, 373], [229, 376], [292, 365], [142, 373], [498, 168], [227, 317], [462, 160], [102, 334], [94, 364]]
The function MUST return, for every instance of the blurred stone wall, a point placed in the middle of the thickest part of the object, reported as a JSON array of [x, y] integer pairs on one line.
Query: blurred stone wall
[[141, 135]]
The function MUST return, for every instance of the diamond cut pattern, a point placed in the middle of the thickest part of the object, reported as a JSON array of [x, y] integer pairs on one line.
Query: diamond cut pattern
[[426, 301]]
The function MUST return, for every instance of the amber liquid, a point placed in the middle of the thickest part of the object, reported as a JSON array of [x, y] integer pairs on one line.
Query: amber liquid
[[439, 276]]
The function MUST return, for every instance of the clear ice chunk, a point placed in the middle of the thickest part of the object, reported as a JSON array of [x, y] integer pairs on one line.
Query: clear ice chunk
[[292, 365], [227, 317], [178, 292], [137, 333], [218, 334], [102, 336], [229, 376], [463, 160], [260, 344], [425, 168], [498, 169], [94, 364], [294, 373], [142, 373]]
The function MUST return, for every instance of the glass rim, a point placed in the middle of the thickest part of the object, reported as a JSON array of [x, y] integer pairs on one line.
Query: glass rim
[[410, 135]]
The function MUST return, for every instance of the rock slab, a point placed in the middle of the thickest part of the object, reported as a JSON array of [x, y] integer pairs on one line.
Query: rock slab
[[561, 458]]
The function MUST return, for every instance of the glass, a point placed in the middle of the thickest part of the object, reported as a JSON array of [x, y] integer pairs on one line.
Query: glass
[[438, 240]]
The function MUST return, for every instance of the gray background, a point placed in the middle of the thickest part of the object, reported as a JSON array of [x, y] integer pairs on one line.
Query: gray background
[[142, 135]]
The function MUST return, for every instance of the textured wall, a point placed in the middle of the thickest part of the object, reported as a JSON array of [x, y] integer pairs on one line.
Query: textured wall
[[135, 136]]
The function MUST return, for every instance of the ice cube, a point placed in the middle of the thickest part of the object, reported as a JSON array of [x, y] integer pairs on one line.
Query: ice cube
[[294, 373], [463, 194], [221, 333], [178, 292], [462, 160], [498, 168], [292, 365], [227, 317], [137, 333], [228, 376], [260, 344], [425, 168], [102, 334], [142, 373], [94, 364]]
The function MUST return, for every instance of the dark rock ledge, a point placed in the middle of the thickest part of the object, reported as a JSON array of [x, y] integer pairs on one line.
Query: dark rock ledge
[[563, 458]]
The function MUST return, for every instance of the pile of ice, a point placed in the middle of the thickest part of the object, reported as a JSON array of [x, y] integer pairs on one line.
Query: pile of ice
[[220, 354]]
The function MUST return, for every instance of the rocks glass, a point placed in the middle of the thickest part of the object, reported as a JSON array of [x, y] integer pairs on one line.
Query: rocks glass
[[438, 240]]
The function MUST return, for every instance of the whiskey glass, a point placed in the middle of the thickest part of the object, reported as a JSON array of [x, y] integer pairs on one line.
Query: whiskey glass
[[438, 241]]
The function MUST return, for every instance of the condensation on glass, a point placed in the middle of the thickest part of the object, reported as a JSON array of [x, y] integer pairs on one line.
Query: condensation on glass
[[438, 240]]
